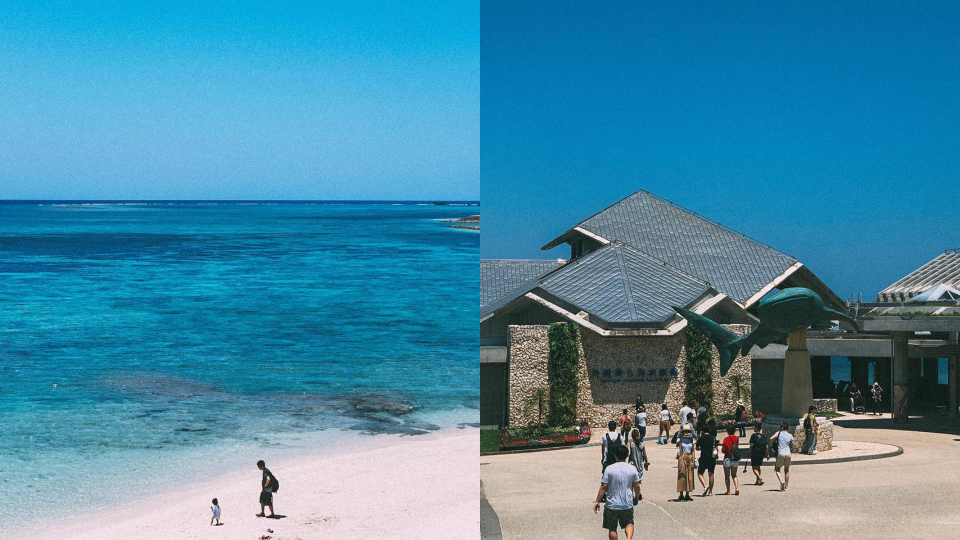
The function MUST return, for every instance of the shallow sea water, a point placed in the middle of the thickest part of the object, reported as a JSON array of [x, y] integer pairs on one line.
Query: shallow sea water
[[144, 345]]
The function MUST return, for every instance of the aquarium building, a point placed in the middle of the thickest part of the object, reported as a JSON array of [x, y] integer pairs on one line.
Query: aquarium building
[[626, 268]]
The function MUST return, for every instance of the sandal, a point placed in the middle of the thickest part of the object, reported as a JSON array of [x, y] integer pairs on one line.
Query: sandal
[[261, 514]]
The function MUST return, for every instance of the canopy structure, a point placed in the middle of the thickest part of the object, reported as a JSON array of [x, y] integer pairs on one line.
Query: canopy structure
[[943, 270], [940, 293]]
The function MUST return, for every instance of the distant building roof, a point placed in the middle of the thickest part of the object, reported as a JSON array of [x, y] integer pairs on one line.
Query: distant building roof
[[500, 277], [733, 263], [942, 270], [618, 284]]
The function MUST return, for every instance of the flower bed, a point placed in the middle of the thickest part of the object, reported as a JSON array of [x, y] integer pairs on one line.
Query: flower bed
[[542, 437], [726, 420]]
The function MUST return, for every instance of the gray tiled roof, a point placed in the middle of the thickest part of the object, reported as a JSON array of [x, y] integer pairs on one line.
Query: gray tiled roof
[[620, 284], [942, 270], [500, 277], [734, 264]]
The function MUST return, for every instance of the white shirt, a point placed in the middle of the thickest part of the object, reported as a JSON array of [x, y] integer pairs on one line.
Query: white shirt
[[641, 419], [664, 416], [216, 511], [620, 478], [684, 413]]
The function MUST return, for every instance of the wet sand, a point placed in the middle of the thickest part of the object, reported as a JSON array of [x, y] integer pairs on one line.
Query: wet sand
[[385, 487]]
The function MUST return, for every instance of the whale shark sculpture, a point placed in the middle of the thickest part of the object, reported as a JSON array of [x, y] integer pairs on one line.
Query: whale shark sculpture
[[789, 310]]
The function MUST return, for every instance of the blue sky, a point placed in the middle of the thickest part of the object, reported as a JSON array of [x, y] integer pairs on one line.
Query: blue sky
[[288, 100], [826, 129]]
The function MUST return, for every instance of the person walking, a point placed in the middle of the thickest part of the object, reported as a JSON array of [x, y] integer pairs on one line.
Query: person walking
[[639, 401], [638, 455], [758, 452], [685, 463], [811, 430], [708, 457], [740, 416], [641, 421], [609, 443], [731, 459], [664, 424], [267, 487], [626, 424], [685, 411], [620, 488], [875, 393], [701, 419], [782, 439], [854, 394]]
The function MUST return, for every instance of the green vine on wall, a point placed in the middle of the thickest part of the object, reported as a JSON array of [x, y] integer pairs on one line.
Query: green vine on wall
[[698, 369], [562, 373]]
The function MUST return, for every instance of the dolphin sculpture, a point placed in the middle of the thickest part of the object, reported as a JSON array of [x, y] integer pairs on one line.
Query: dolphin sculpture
[[789, 310]]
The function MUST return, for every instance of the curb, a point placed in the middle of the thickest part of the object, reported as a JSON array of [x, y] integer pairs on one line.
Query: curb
[[826, 460], [882, 455]]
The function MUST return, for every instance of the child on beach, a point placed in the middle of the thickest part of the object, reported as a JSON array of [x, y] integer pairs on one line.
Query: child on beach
[[215, 512]]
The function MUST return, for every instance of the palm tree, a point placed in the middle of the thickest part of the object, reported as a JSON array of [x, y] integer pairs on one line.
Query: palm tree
[[540, 398], [738, 388]]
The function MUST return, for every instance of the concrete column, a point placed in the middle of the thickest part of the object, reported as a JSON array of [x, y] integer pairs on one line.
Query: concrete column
[[952, 379], [797, 380], [900, 362], [899, 366]]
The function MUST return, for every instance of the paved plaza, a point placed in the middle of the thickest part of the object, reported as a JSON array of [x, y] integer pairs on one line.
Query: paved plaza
[[913, 495]]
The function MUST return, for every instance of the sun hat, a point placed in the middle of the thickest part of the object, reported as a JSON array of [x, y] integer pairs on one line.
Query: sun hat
[[739, 402]]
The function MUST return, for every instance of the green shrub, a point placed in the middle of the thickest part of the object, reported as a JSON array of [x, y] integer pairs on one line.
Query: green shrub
[[698, 369], [562, 374]]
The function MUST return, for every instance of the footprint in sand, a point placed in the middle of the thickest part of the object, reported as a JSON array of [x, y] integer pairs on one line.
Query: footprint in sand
[[314, 520]]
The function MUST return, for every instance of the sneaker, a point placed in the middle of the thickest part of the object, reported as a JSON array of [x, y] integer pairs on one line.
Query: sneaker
[[814, 453], [783, 487]]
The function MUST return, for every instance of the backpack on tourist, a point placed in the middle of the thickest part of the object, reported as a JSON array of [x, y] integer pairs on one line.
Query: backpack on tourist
[[613, 444], [735, 452]]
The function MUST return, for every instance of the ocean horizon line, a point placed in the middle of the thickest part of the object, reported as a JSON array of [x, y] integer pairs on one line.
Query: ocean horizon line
[[438, 202]]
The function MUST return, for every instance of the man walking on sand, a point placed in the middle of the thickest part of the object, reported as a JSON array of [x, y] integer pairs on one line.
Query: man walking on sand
[[621, 486], [266, 489]]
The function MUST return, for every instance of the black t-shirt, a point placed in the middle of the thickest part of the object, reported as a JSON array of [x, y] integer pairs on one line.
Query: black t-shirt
[[705, 443], [739, 414], [759, 445], [266, 473]]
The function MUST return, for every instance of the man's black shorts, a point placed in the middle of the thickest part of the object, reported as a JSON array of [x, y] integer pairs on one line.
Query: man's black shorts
[[707, 464], [756, 461], [611, 518], [266, 498]]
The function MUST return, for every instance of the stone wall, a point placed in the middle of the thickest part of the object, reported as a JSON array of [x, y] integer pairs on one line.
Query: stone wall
[[723, 394], [825, 405], [602, 399], [824, 438], [609, 374], [528, 360]]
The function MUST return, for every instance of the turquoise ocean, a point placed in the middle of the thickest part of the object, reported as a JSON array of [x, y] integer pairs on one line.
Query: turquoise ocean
[[145, 344]]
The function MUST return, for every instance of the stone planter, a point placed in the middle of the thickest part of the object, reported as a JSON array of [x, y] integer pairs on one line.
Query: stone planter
[[771, 425]]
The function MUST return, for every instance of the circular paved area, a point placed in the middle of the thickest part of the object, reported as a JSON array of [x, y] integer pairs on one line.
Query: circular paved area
[[913, 495]]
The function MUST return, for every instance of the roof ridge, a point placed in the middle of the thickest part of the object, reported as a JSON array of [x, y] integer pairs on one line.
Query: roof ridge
[[713, 222], [662, 262], [520, 260]]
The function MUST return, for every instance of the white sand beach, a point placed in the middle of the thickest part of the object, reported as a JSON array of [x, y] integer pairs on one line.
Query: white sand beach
[[387, 487]]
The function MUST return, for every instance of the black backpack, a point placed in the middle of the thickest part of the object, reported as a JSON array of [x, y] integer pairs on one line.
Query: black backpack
[[735, 453], [612, 446], [274, 484]]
